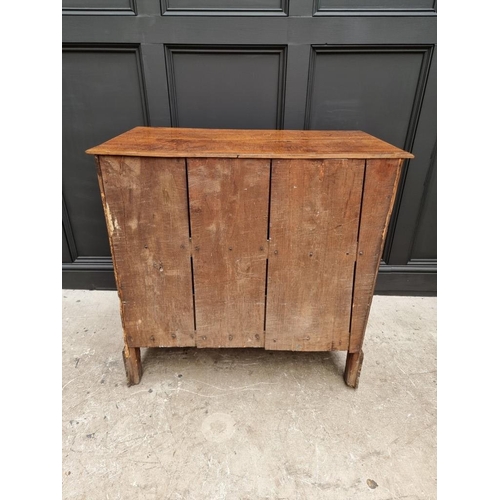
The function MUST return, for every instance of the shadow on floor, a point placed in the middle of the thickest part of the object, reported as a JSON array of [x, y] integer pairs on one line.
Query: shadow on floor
[[239, 359]]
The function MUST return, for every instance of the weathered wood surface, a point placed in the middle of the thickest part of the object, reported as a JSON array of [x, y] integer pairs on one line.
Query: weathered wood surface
[[315, 207], [229, 209], [145, 204], [189, 142], [381, 183]]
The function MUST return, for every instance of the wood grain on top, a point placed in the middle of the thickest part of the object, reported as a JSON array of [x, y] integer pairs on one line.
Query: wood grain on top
[[192, 142]]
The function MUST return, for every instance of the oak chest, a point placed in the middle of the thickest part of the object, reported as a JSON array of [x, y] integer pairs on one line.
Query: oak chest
[[246, 238]]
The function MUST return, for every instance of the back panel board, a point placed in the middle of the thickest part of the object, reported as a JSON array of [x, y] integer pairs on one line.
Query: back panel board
[[315, 207], [145, 203], [229, 218], [233, 252]]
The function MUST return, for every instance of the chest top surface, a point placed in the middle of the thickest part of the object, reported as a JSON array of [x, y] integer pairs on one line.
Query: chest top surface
[[233, 143]]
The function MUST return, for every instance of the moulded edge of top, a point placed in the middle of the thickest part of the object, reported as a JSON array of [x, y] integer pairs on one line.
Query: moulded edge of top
[[169, 142]]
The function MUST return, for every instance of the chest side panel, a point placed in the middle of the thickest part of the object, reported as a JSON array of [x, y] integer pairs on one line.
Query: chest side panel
[[380, 186]]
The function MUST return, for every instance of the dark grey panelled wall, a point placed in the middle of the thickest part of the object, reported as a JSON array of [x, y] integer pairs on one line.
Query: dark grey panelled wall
[[286, 64]]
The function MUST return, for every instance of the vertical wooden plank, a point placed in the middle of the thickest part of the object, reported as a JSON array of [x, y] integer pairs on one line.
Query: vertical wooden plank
[[145, 204], [381, 183], [314, 217], [229, 209]]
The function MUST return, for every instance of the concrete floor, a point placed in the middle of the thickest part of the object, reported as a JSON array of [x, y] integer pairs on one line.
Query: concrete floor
[[249, 424]]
